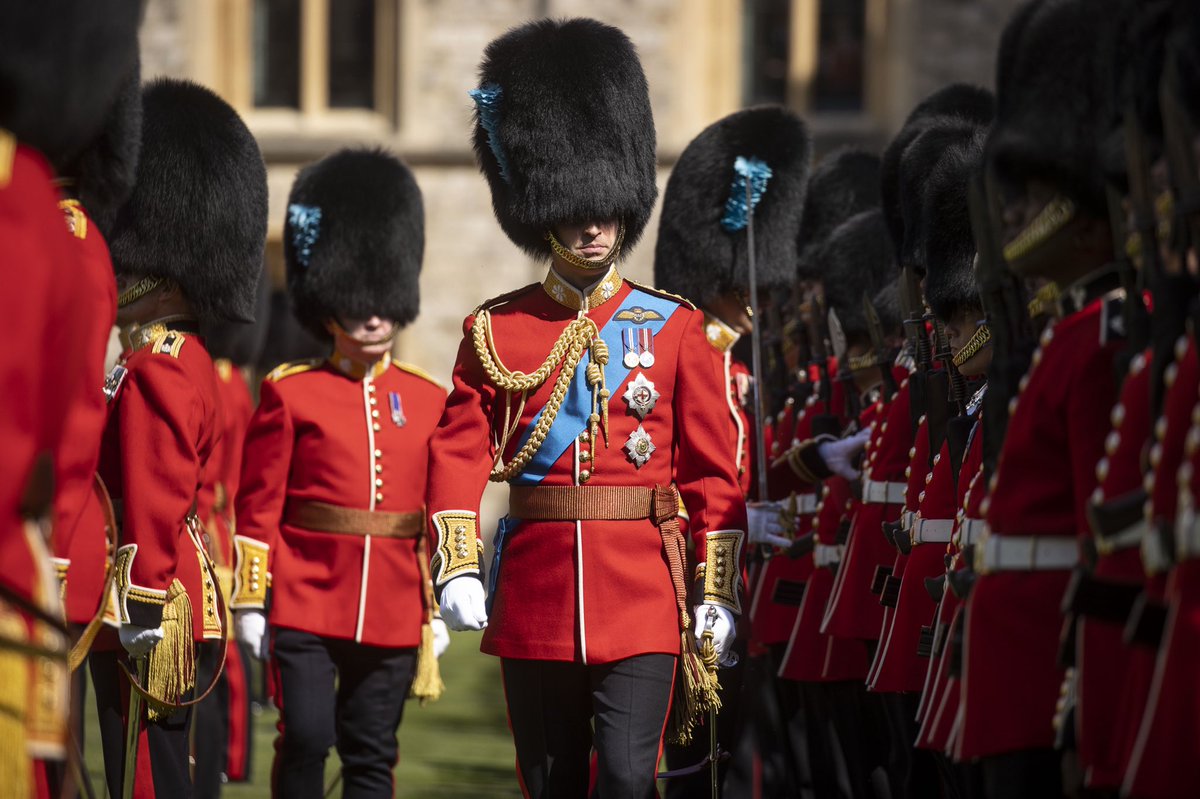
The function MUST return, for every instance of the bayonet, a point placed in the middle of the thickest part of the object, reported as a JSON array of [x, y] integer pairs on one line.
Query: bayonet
[[879, 345]]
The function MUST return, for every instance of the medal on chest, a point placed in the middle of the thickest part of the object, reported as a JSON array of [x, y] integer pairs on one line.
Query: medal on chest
[[638, 344], [640, 447], [397, 409]]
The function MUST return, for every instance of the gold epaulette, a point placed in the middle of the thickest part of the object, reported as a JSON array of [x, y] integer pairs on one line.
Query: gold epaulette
[[419, 372], [684, 301], [487, 305], [293, 368]]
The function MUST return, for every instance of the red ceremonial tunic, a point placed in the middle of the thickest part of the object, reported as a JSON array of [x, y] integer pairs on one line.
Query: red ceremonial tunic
[[44, 314], [80, 544], [776, 600], [589, 591], [900, 667], [161, 429], [938, 709], [1045, 476], [1102, 657], [853, 610], [1164, 761], [216, 501], [326, 433]]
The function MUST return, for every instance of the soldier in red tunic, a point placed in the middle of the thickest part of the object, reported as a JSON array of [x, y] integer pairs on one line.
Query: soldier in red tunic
[[1045, 155], [701, 255], [187, 245], [590, 396], [330, 507], [61, 66]]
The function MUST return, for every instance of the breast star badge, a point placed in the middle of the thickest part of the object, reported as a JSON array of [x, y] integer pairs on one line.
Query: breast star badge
[[640, 447], [641, 396]]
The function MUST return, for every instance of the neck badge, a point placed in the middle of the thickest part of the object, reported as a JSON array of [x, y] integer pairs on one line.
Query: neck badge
[[640, 447], [638, 344], [398, 417], [641, 396]]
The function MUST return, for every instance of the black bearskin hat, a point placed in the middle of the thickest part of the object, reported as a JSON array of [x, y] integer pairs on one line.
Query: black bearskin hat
[[845, 183], [354, 239], [198, 211], [946, 236], [1185, 53], [242, 342], [701, 250], [857, 260], [1055, 104], [916, 165], [956, 104], [61, 64], [104, 172], [563, 130]]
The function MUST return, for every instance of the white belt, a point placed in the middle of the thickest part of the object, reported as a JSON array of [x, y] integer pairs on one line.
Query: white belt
[[1001, 553], [970, 531], [807, 504], [931, 531], [906, 521], [1187, 541], [878, 492], [825, 555], [1128, 538]]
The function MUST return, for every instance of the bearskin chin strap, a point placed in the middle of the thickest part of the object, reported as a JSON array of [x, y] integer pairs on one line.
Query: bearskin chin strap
[[980, 339], [138, 290], [582, 263]]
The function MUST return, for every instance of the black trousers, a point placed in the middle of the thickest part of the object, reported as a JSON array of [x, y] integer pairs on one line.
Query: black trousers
[[163, 743], [728, 722], [211, 734], [551, 707], [337, 692], [1024, 774]]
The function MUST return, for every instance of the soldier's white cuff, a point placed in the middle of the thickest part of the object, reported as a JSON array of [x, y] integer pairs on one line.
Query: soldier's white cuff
[[459, 549], [251, 576], [721, 571]]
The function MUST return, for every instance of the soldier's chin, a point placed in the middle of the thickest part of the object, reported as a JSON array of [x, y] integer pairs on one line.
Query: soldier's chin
[[977, 365]]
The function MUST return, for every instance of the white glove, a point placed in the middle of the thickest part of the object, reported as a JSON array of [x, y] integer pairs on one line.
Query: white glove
[[839, 454], [463, 604], [765, 525], [250, 628], [441, 637], [724, 630], [138, 641]]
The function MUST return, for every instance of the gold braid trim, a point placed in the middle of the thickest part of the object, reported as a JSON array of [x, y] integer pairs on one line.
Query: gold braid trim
[[981, 338], [171, 672], [1053, 218], [568, 351], [138, 290]]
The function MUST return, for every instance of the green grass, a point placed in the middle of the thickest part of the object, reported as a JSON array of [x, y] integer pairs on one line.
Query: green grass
[[459, 746]]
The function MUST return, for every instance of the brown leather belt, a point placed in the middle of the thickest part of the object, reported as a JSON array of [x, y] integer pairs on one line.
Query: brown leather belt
[[593, 503], [325, 518]]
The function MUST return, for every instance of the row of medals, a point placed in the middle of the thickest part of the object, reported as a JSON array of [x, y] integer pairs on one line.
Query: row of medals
[[640, 394]]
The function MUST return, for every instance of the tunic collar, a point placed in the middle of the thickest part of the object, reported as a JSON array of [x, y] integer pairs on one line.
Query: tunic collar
[[359, 371], [596, 295]]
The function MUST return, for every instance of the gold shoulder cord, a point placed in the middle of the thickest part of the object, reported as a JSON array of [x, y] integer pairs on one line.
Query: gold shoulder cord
[[580, 336]]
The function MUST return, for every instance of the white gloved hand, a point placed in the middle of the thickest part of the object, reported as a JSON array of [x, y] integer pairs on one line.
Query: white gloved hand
[[138, 641], [464, 606], [724, 630], [839, 454], [441, 637], [250, 628], [765, 526]]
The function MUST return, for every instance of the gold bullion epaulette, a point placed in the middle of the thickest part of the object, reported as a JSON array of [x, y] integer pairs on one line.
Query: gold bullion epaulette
[[419, 372], [293, 368], [684, 301], [487, 305]]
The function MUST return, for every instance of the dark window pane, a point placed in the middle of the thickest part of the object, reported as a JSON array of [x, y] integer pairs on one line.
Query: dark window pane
[[277, 53], [839, 85], [352, 54], [768, 23]]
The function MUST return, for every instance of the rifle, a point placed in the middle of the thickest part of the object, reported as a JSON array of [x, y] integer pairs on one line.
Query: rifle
[[1005, 307], [837, 337], [917, 342], [957, 425], [827, 423], [879, 345]]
